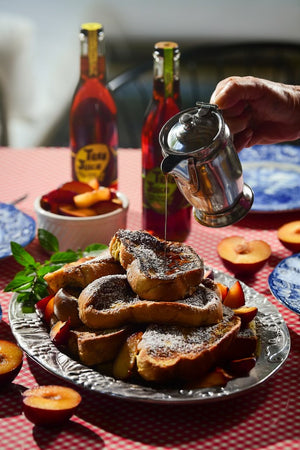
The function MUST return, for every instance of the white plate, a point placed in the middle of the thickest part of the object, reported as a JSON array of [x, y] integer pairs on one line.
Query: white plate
[[14, 226], [284, 282], [273, 172], [33, 338]]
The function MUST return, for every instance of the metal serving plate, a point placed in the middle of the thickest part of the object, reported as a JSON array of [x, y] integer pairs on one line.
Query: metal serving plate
[[33, 338]]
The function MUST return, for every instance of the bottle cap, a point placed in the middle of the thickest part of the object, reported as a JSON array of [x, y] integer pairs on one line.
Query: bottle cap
[[91, 26], [91, 37], [165, 44]]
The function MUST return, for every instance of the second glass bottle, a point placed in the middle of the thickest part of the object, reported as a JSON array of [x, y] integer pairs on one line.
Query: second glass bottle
[[165, 103]]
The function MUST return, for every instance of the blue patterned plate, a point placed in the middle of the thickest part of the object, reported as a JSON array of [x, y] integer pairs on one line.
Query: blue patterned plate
[[14, 226], [273, 172], [284, 282]]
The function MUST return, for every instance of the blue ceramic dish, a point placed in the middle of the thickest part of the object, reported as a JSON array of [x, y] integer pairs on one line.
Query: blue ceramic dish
[[273, 172], [14, 226], [284, 282]]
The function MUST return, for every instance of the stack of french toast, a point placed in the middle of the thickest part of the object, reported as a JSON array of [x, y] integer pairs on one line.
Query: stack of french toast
[[147, 309]]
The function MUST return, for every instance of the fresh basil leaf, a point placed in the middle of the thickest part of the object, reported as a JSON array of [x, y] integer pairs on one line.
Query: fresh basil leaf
[[64, 257], [51, 268], [41, 290], [28, 302], [23, 296], [29, 283], [48, 241], [19, 282], [46, 269], [27, 272], [94, 248], [28, 308], [21, 255]]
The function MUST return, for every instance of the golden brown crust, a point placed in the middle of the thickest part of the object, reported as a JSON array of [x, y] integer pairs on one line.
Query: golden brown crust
[[82, 272], [170, 353], [95, 347], [110, 302], [157, 269], [66, 307]]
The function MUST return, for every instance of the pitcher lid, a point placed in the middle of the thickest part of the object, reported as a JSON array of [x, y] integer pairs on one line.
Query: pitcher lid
[[192, 130]]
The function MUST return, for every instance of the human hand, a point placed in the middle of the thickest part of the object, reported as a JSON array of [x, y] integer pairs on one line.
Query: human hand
[[258, 111]]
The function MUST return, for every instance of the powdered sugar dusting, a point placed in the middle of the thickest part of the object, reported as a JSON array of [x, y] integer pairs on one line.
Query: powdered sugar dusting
[[113, 292], [201, 298], [159, 258], [168, 340], [109, 292]]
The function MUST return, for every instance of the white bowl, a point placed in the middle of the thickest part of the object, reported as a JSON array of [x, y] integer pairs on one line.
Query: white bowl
[[78, 232]]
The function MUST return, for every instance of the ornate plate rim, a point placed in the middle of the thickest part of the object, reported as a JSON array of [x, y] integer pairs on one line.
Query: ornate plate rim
[[269, 157], [29, 220], [283, 300], [34, 339]]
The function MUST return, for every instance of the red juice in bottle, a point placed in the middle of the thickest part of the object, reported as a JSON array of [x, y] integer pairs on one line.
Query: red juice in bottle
[[171, 220], [93, 122]]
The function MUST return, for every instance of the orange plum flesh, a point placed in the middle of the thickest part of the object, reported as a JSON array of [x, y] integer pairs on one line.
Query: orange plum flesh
[[235, 297], [242, 256], [78, 199], [289, 235], [50, 405], [11, 360]]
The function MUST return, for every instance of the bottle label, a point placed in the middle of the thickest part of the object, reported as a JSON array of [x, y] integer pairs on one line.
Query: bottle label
[[154, 187], [91, 161]]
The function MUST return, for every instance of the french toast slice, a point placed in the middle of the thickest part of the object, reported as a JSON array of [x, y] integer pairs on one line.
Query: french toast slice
[[110, 302], [245, 344], [95, 347], [173, 354], [157, 269], [82, 272], [65, 306]]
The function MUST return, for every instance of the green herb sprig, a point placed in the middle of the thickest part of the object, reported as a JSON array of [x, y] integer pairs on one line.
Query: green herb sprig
[[29, 283]]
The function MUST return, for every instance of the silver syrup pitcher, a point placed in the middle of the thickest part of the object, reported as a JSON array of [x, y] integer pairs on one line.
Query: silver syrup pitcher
[[199, 153]]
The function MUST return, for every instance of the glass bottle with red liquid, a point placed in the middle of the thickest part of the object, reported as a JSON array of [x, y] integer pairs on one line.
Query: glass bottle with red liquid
[[93, 121], [165, 104]]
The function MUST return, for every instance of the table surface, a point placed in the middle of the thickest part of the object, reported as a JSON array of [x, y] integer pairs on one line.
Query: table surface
[[265, 418]]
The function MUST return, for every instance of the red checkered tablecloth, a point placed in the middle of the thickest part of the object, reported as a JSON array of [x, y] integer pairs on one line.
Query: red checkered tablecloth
[[265, 418]]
